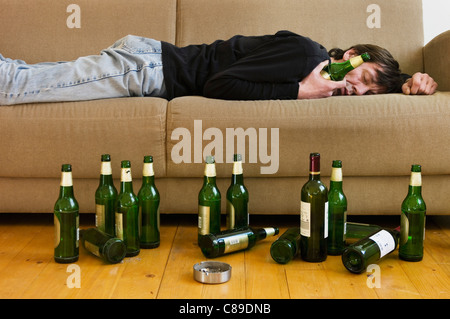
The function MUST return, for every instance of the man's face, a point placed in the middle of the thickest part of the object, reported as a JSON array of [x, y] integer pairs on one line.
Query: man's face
[[362, 80]]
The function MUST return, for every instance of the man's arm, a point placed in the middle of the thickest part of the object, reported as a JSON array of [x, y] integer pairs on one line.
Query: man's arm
[[419, 83]]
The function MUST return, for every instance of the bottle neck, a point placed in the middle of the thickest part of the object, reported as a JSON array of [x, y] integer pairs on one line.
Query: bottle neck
[[415, 183], [210, 174], [238, 176], [314, 167], [148, 174], [263, 233], [66, 185], [126, 182], [336, 178]]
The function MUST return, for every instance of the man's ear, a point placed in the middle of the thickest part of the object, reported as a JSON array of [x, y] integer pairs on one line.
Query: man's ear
[[349, 54]]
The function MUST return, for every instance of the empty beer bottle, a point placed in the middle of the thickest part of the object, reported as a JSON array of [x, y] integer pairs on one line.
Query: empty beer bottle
[[314, 215], [336, 71], [412, 230], [149, 200], [127, 212], [103, 245], [209, 201], [287, 246], [105, 197], [232, 240], [369, 250], [66, 220], [237, 197], [357, 231], [337, 211]]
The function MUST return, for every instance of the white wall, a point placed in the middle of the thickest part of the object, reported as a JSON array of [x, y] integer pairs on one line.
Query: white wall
[[436, 18]]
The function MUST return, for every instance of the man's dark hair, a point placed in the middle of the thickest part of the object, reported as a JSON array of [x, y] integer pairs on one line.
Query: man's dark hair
[[390, 77]]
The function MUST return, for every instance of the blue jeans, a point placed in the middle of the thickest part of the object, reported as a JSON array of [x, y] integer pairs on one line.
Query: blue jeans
[[130, 67]]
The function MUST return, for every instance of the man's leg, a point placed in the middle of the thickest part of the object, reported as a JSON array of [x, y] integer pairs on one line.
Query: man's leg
[[131, 67]]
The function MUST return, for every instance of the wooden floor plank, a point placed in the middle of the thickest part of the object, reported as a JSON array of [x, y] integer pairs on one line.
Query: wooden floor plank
[[27, 268]]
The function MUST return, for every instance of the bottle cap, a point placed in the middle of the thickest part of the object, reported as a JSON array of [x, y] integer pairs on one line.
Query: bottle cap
[[337, 163], [212, 272], [148, 159], [416, 168], [237, 157], [126, 164], [106, 158], [66, 168], [210, 159]]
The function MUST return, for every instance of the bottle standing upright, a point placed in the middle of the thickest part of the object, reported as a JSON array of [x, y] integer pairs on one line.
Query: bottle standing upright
[[105, 198], [149, 200], [209, 199], [66, 220], [237, 197], [412, 230], [336, 71], [337, 214], [314, 215], [127, 212]]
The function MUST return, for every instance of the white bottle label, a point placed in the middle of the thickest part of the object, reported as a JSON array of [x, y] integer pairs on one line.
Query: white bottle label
[[385, 242], [305, 219]]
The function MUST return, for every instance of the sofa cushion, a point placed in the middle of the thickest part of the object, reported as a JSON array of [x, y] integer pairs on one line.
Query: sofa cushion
[[395, 25], [41, 30], [38, 138], [379, 135]]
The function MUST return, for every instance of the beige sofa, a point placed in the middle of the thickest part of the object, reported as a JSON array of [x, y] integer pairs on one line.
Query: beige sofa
[[376, 137]]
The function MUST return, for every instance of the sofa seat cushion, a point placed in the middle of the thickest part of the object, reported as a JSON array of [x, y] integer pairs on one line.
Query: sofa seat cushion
[[380, 135], [38, 138]]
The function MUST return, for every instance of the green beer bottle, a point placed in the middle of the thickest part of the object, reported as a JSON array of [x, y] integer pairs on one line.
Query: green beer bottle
[[337, 211], [237, 197], [287, 246], [369, 250], [356, 231], [105, 197], [412, 230], [127, 212], [209, 201], [232, 240], [336, 71], [103, 245], [314, 215], [149, 199], [66, 220]]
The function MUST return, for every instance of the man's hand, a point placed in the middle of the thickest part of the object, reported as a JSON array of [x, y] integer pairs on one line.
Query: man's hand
[[419, 83], [314, 86]]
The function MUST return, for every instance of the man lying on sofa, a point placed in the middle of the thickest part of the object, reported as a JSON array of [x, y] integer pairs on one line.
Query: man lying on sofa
[[280, 66]]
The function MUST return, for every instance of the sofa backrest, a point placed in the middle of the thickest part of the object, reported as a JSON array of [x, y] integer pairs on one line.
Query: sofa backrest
[[394, 24], [48, 30]]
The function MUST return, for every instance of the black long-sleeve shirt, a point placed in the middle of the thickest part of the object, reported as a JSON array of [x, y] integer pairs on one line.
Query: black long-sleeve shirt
[[242, 68]]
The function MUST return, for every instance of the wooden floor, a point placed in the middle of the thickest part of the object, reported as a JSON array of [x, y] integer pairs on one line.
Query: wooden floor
[[27, 269]]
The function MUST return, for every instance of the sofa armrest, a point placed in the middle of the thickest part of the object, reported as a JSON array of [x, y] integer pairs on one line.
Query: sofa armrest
[[437, 60]]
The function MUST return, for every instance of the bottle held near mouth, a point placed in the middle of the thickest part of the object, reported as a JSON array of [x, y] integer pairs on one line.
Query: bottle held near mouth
[[338, 70]]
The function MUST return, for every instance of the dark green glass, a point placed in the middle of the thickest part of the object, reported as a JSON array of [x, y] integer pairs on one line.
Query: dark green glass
[[338, 70], [237, 197], [412, 230], [287, 246], [209, 202], [105, 198], [112, 250], [232, 240], [127, 212], [356, 231], [66, 220], [369, 250], [149, 207], [314, 215], [337, 211]]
